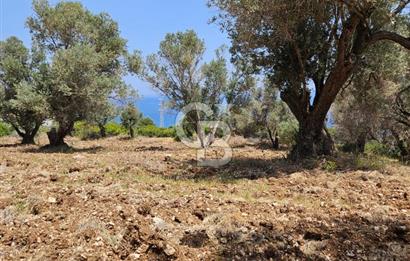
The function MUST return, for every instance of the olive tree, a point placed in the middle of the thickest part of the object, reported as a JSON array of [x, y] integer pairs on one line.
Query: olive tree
[[298, 43], [364, 110], [86, 51], [130, 117], [23, 79], [178, 73], [264, 116]]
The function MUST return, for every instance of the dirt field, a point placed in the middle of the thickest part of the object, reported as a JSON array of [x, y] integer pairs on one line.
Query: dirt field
[[145, 199]]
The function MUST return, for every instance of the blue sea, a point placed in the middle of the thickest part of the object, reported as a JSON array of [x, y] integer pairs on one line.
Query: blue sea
[[150, 107]]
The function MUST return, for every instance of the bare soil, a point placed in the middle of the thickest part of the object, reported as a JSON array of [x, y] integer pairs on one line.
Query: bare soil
[[145, 199]]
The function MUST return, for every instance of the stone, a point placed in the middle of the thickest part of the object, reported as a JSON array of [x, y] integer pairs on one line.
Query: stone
[[169, 250], [52, 200]]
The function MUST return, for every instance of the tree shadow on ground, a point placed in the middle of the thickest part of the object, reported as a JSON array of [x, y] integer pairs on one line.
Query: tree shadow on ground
[[65, 149], [242, 168], [257, 168], [13, 145], [350, 237], [151, 148]]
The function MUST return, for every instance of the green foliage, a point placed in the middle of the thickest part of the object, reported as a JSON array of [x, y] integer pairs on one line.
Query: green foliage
[[153, 131], [369, 162], [130, 116], [5, 129], [330, 166], [23, 77], [146, 121], [374, 147], [86, 51], [177, 71], [288, 131], [317, 43], [86, 131], [262, 113], [114, 129]]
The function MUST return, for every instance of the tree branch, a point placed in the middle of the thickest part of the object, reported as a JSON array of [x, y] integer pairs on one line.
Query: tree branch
[[385, 35], [400, 7]]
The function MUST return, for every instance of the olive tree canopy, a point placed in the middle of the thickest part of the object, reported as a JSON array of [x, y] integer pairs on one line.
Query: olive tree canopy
[[317, 43], [87, 53], [24, 77]]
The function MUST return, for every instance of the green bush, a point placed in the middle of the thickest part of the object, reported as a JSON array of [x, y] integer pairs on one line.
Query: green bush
[[288, 131], [363, 162], [146, 122], [86, 131], [114, 129], [329, 166], [5, 129], [376, 148], [153, 131]]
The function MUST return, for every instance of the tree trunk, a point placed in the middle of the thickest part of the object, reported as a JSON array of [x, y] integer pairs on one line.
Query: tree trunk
[[131, 131], [361, 143], [103, 132], [273, 138], [28, 135], [28, 139], [56, 137], [313, 140]]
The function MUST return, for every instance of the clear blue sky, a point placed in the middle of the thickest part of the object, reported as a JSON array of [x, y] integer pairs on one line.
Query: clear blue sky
[[143, 23]]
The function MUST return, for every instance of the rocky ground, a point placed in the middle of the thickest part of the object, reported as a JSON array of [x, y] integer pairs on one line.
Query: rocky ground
[[145, 199]]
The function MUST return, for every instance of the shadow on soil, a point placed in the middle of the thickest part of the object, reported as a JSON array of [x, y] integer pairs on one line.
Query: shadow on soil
[[65, 149], [352, 237], [241, 168], [256, 168], [14, 145]]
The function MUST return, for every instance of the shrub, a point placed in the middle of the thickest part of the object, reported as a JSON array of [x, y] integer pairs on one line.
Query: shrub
[[329, 166], [146, 122], [363, 162], [86, 131], [153, 131], [376, 148], [288, 131], [114, 129], [5, 129]]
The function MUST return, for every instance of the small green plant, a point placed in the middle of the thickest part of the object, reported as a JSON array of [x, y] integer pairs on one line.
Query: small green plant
[[329, 166], [21, 207], [153, 131], [5, 129]]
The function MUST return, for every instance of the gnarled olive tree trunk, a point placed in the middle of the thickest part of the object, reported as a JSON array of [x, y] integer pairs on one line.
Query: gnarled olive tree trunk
[[29, 134], [56, 136], [312, 140]]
